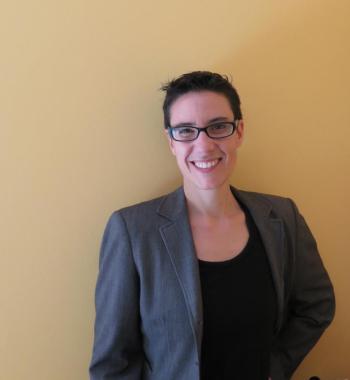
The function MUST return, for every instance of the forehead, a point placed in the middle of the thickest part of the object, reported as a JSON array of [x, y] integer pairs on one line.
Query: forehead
[[200, 107]]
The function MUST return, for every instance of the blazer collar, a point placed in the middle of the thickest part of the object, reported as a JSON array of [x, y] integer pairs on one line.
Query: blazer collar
[[174, 203]]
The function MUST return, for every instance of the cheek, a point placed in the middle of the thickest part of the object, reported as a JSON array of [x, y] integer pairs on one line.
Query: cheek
[[181, 158], [180, 152], [231, 155]]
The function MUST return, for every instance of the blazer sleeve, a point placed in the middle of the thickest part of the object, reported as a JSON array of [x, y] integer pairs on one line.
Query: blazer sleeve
[[117, 350], [311, 305]]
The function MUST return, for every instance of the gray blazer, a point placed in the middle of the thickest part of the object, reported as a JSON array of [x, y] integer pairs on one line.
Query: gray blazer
[[148, 296]]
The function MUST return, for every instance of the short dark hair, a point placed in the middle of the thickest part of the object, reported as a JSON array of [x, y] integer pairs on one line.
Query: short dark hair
[[200, 81]]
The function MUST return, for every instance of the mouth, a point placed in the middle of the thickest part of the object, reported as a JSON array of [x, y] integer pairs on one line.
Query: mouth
[[206, 164]]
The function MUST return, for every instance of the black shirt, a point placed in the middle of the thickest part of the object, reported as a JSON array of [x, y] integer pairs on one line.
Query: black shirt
[[239, 311]]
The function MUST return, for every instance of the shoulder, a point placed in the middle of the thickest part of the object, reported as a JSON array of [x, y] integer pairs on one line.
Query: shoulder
[[141, 209], [277, 205], [265, 198], [149, 212]]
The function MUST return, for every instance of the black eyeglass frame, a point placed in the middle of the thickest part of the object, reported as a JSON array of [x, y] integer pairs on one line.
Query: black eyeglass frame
[[234, 124]]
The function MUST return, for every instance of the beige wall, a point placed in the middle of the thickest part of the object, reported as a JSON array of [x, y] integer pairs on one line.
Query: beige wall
[[80, 135]]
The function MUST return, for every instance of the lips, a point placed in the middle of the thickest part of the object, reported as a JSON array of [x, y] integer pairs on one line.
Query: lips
[[207, 164]]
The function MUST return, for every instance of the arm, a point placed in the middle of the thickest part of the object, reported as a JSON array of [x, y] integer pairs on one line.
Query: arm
[[117, 352], [311, 304]]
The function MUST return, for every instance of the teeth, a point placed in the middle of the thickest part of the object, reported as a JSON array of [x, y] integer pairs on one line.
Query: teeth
[[206, 164]]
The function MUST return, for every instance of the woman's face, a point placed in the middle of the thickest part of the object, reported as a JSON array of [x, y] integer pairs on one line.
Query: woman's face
[[204, 163]]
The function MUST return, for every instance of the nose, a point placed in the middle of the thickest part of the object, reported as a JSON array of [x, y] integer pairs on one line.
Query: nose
[[204, 142]]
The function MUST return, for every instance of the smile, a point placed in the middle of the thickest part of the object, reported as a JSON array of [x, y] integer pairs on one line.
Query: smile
[[205, 164]]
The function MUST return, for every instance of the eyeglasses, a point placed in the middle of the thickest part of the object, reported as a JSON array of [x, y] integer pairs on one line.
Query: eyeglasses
[[214, 131]]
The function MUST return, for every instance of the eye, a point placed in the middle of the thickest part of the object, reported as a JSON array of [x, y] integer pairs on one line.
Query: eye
[[184, 132], [219, 127]]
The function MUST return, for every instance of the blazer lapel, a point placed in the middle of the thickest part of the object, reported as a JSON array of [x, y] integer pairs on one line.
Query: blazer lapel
[[178, 240], [272, 235]]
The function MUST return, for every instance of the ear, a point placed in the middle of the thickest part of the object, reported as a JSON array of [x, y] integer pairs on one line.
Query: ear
[[170, 141], [240, 132]]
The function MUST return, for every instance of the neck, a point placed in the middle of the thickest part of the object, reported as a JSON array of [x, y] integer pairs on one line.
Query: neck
[[213, 203]]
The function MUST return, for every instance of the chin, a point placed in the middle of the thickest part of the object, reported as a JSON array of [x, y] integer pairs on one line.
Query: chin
[[209, 185]]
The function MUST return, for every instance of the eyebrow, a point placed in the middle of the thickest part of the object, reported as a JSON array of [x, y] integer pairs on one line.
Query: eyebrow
[[211, 121]]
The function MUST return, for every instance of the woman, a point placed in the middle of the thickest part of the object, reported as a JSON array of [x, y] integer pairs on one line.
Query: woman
[[208, 282]]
